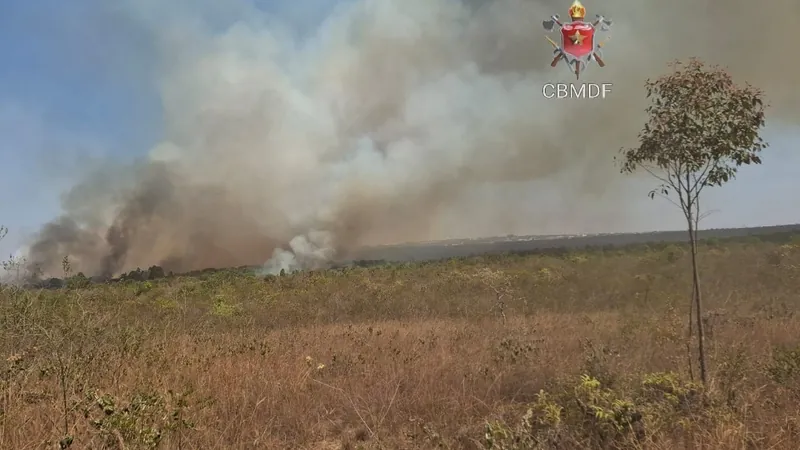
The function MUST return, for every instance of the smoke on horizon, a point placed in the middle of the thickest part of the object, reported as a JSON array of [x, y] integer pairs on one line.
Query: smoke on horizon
[[385, 121]]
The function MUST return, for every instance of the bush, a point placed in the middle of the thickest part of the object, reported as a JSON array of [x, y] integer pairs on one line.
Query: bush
[[590, 415], [79, 281]]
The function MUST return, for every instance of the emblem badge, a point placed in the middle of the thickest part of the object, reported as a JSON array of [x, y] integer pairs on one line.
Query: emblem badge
[[579, 45]]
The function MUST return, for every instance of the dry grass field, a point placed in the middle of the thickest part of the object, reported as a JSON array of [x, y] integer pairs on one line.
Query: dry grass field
[[579, 350]]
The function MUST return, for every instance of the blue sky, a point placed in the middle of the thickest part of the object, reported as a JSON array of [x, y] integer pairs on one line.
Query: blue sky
[[69, 91], [77, 84]]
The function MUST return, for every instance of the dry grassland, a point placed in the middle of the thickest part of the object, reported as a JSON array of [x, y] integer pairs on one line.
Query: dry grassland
[[581, 350]]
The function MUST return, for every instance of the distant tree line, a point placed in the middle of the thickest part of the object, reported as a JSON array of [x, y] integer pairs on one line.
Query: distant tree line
[[32, 279]]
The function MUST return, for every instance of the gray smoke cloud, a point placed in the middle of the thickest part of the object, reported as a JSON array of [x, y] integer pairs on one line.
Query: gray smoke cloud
[[394, 120]]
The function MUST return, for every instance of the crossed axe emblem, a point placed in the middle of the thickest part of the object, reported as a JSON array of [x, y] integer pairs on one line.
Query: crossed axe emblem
[[600, 21]]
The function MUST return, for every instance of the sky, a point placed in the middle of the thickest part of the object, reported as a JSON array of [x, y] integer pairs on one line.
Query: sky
[[66, 99], [74, 92]]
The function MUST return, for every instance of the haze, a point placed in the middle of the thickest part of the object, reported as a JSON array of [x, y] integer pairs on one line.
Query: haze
[[219, 132]]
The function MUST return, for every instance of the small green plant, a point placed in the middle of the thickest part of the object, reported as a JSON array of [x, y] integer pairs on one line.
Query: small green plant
[[607, 417], [167, 303], [221, 308], [142, 287], [588, 416], [141, 422], [78, 281], [596, 362], [731, 375], [666, 388], [784, 368]]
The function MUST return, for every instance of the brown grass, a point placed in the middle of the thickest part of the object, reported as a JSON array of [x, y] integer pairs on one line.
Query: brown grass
[[410, 356]]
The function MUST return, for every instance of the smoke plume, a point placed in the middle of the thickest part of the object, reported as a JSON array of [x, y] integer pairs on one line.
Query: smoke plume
[[394, 120]]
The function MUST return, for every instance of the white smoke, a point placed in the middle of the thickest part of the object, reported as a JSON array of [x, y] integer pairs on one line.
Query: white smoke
[[306, 252], [393, 121]]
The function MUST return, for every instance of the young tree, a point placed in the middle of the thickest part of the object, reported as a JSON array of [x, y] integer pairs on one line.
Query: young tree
[[701, 128], [15, 265]]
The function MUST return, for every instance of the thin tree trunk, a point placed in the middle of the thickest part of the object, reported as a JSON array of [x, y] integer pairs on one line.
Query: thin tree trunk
[[690, 335], [697, 299]]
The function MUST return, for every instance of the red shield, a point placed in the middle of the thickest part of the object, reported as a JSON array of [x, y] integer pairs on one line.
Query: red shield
[[577, 39]]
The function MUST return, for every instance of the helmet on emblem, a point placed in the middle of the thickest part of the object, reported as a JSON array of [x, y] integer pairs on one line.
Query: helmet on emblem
[[577, 11]]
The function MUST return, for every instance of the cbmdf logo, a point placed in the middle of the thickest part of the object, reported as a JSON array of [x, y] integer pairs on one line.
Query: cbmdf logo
[[579, 39]]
